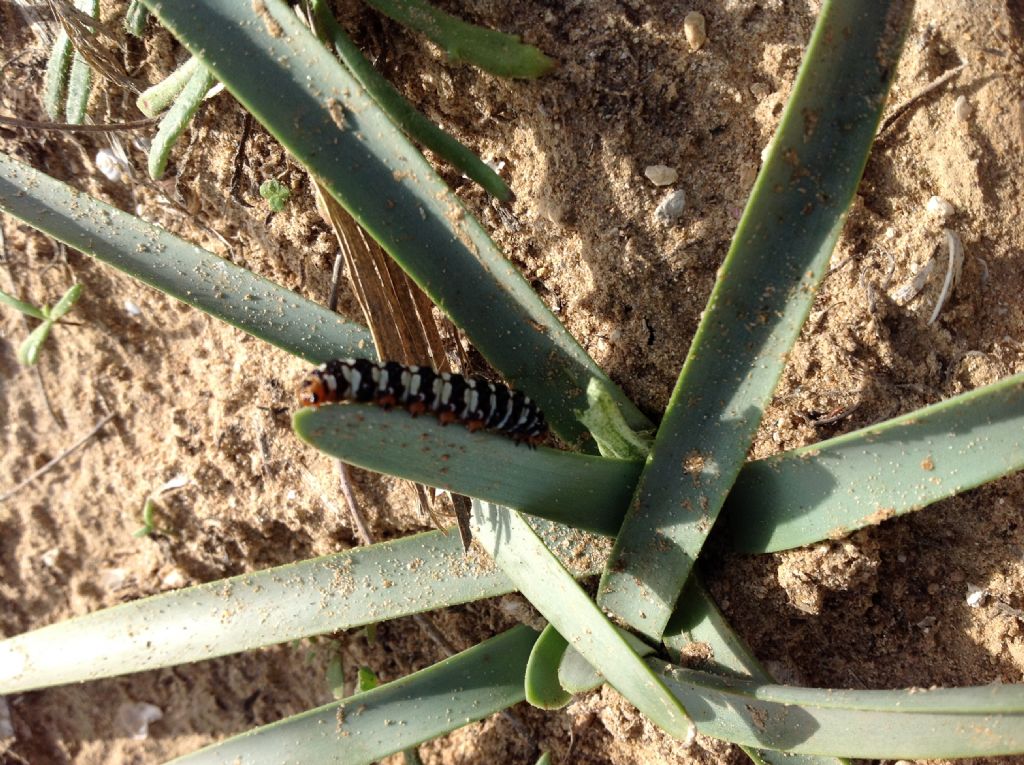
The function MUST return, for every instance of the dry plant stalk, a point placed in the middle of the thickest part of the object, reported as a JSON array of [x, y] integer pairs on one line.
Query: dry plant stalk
[[84, 32], [400, 316]]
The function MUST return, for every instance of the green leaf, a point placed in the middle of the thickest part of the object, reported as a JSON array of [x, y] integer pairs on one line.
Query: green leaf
[[57, 68], [31, 346], [917, 723], [496, 52], [66, 303], [765, 287], [583, 491], [79, 88], [541, 682], [829, 489], [351, 589], [606, 424], [178, 268], [276, 194], [19, 305], [336, 677], [698, 620], [369, 726], [545, 759], [80, 79], [553, 591], [279, 71], [576, 674], [135, 18], [177, 118], [155, 99], [401, 112], [366, 680]]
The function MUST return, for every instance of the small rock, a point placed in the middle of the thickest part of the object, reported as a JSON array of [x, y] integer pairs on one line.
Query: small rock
[[51, 557], [940, 208], [134, 718], [661, 175], [132, 308], [695, 30], [962, 109], [760, 91], [174, 580], [671, 207], [975, 595]]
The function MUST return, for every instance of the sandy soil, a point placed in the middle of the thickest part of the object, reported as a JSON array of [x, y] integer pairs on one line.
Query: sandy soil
[[885, 608]]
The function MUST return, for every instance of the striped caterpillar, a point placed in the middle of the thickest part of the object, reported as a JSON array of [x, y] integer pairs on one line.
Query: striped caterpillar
[[477, 403]]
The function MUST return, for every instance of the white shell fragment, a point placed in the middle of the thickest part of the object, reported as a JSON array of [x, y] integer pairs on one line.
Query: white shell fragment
[[661, 175], [132, 308], [962, 109], [671, 207], [108, 164], [134, 718], [940, 208], [954, 269], [695, 30]]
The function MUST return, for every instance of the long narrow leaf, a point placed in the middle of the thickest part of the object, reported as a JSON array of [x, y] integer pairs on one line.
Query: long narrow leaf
[[155, 99], [351, 589], [944, 722], [496, 52], [20, 305], [764, 291], [55, 91], [553, 591], [369, 726], [794, 498], [698, 620], [580, 490], [177, 118], [178, 268], [401, 112], [831, 488], [80, 80], [279, 70]]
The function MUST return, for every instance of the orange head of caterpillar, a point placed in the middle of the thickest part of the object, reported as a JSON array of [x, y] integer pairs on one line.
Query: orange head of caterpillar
[[313, 390]]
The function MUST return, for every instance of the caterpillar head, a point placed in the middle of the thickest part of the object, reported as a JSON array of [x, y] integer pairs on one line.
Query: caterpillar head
[[313, 390]]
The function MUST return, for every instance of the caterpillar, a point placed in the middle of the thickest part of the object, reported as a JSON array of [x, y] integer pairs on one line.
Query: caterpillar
[[475, 402]]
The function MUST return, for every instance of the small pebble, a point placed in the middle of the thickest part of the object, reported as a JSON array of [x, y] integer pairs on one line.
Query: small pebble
[[661, 175], [962, 109], [131, 308], [671, 207], [940, 208], [695, 30], [174, 579]]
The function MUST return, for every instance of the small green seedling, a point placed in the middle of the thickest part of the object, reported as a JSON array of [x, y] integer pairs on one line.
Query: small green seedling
[[276, 194], [28, 352], [148, 520]]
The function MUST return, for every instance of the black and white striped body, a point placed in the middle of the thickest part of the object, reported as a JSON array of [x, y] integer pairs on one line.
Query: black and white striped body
[[475, 402]]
